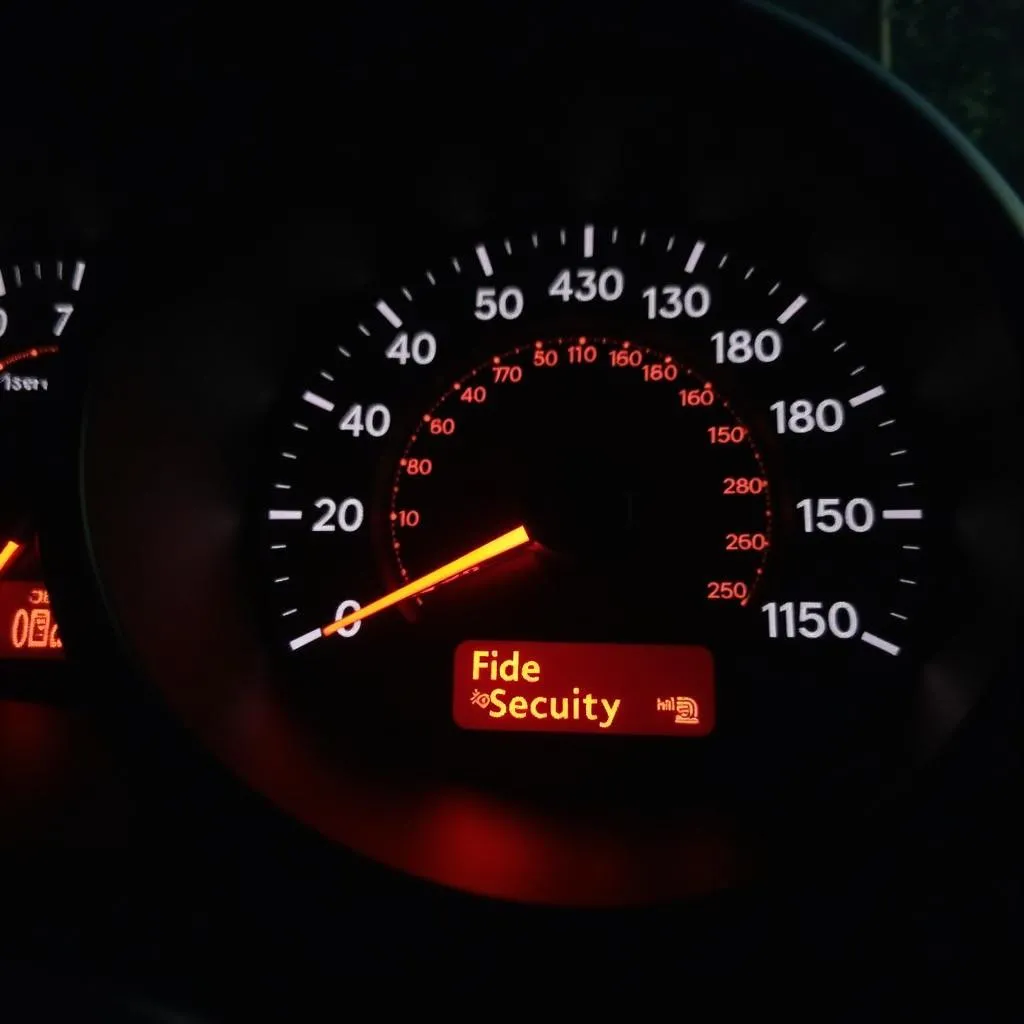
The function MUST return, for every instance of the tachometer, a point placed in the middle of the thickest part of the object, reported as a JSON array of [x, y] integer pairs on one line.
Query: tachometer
[[37, 307], [579, 449]]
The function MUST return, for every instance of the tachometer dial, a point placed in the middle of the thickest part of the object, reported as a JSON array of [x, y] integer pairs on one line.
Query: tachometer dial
[[37, 309], [691, 452]]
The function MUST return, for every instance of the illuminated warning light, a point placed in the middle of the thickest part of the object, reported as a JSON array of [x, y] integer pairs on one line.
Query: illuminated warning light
[[27, 626], [603, 689]]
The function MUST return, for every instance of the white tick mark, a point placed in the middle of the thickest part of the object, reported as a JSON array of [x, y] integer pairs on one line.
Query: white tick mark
[[694, 258], [484, 259], [792, 309]]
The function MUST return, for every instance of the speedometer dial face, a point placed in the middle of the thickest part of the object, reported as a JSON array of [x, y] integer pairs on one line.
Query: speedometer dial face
[[590, 468]]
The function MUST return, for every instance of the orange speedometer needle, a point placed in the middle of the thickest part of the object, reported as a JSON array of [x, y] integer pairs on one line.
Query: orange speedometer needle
[[506, 542], [8, 552]]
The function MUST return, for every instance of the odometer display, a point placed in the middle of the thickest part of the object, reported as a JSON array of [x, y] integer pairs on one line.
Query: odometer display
[[697, 454]]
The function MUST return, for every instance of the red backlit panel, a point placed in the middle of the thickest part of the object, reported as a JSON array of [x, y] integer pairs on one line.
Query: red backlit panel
[[604, 689], [27, 626]]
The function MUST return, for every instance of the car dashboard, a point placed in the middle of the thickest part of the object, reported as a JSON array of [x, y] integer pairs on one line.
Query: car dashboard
[[538, 507]]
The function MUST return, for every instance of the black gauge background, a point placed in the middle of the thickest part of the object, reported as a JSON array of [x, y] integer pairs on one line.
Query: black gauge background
[[810, 718], [193, 287]]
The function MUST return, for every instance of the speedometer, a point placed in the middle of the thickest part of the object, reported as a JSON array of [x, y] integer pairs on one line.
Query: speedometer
[[601, 480]]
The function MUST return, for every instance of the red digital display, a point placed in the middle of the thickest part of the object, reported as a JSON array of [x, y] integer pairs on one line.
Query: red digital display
[[27, 626], [603, 689]]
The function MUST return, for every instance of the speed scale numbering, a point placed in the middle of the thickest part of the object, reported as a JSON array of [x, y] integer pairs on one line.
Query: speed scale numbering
[[688, 446]]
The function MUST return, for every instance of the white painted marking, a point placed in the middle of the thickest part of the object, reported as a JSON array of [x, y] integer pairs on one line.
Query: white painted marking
[[896, 615], [694, 258], [306, 638], [3, 287], [867, 396], [882, 645], [902, 513], [671, 243], [318, 400], [485, 260], [588, 241], [76, 277], [285, 513], [792, 309], [345, 352], [389, 314]]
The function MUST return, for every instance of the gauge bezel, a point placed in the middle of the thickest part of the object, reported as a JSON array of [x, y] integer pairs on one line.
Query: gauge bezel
[[168, 556]]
